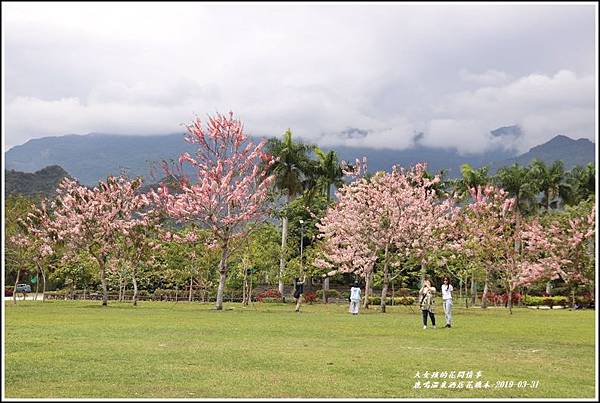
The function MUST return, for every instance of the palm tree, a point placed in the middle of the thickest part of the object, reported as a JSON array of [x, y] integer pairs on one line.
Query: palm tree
[[520, 183], [471, 178], [294, 172], [582, 181], [330, 171], [550, 180]]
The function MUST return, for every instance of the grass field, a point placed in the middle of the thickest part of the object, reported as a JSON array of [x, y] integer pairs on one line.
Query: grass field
[[79, 349]]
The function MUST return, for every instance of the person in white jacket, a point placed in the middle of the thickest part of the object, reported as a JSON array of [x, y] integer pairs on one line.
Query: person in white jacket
[[447, 300], [354, 298]]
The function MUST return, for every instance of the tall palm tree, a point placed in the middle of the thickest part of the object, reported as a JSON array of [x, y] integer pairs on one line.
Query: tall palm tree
[[330, 171], [582, 181], [294, 172], [520, 183], [550, 180]]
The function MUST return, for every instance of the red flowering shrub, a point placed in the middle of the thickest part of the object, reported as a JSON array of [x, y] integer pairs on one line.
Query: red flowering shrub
[[516, 297], [273, 293], [310, 297]]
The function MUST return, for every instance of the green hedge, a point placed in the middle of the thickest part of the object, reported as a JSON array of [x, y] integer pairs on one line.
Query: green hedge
[[330, 294], [531, 300], [397, 300]]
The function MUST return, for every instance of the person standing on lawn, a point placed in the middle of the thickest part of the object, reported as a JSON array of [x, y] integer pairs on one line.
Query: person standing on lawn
[[354, 298], [427, 300], [447, 301], [299, 291]]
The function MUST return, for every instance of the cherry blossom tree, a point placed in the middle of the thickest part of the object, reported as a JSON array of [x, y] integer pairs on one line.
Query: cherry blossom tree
[[93, 219], [230, 194], [395, 212], [560, 249], [38, 239]]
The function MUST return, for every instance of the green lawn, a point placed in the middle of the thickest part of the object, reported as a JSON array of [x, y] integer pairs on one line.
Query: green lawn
[[162, 349]]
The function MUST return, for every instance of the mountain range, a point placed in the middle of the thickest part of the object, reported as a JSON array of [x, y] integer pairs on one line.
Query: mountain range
[[91, 157]]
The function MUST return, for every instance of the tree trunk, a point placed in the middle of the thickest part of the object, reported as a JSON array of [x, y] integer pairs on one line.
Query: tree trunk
[[367, 289], [102, 262], [245, 288], [176, 293], [473, 291], [510, 299], [250, 291], [460, 287], [223, 277], [37, 282], [325, 289], [484, 301], [191, 288], [44, 289], [386, 279], [284, 235], [548, 287], [135, 288], [15, 289]]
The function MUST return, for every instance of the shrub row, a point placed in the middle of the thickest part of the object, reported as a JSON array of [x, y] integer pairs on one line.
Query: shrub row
[[329, 293], [396, 300], [531, 300]]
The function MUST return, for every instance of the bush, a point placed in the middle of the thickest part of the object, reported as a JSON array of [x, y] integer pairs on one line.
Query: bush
[[531, 300], [310, 297], [516, 297], [269, 300], [585, 300], [330, 294], [8, 291], [273, 293], [388, 300]]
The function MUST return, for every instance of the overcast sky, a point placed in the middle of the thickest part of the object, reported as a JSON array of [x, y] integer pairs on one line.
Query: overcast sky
[[452, 71]]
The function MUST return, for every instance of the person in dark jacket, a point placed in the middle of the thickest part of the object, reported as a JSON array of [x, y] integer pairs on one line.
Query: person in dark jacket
[[299, 291]]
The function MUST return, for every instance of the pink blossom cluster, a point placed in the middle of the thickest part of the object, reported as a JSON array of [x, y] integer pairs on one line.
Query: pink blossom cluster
[[398, 209], [232, 183]]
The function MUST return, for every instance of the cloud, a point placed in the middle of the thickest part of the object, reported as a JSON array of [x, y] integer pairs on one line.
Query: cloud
[[542, 106], [490, 77], [391, 70]]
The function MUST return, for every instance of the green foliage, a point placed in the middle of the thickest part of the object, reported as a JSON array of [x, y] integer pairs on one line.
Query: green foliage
[[519, 182], [294, 170], [329, 293], [376, 300], [531, 300], [79, 271]]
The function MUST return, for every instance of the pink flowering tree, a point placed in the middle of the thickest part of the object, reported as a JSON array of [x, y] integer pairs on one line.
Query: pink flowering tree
[[488, 226], [37, 240], [494, 237], [395, 213], [94, 219], [138, 246], [560, 248], [230, 194]]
